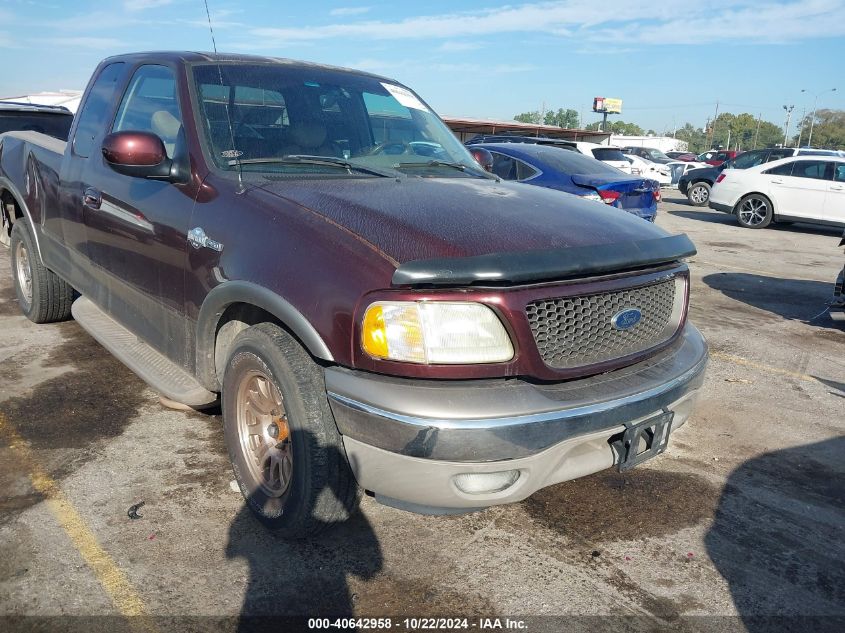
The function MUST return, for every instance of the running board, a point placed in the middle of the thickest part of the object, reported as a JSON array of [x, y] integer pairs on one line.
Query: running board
[[152, 367]]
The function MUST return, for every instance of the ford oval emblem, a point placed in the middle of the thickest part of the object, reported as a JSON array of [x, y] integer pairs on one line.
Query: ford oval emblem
[[626, 319]]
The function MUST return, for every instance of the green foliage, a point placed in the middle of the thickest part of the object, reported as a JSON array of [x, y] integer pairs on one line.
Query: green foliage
[[695, 138], [562, 118], [828, 129], [528, 117]]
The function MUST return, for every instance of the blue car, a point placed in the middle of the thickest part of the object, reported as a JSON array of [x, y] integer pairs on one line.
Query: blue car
[[572, 172]]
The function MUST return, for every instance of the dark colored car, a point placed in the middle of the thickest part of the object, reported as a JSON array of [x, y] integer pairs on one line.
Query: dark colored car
[[837, 305], [54, 121], [716, 157], [574, 173], [695, 184], [513, 138], [313, 246], [687, 157], [649, 153]]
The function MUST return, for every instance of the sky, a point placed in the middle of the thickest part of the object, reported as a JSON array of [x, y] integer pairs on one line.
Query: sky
[[670, 62]]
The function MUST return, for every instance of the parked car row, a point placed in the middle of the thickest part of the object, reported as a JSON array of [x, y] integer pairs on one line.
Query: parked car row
[[796, 189], [696, 184]]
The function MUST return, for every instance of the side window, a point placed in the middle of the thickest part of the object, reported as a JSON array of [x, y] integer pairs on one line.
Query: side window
[[815, 169], [839, 172], [504, 166], [781, 170], [93, 113], [777, 154], [150, 105], [748, 159], [524, 171]]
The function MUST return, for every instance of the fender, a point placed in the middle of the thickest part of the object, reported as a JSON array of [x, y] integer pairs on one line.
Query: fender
[[232, 292], [5, 183]]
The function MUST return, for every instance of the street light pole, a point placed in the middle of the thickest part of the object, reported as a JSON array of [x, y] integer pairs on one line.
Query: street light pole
[[789, 110], [813, 116]]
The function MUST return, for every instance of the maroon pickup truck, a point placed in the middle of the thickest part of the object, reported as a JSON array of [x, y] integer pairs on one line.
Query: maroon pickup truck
[[313, 247]]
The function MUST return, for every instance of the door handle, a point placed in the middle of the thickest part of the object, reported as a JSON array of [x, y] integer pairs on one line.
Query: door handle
[[777, 181], [92, 198], [837, 188]]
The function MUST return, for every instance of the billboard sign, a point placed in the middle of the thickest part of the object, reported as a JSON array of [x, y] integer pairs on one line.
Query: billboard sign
[[607, 105]]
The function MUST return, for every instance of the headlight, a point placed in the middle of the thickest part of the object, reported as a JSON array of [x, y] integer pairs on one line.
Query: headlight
[[435, 332]]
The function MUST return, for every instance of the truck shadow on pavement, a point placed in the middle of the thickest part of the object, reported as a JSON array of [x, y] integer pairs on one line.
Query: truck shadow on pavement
[[306, 577], [794, 299], [777, 539]]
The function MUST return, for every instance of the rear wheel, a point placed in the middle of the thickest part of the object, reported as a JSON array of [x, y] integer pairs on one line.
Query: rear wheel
[[699, 194], [43, 296], [286, 453], [754, 211]]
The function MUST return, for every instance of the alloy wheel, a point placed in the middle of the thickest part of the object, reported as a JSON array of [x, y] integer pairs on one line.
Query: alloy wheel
[[264, 433], [23, 270], [753, 211]]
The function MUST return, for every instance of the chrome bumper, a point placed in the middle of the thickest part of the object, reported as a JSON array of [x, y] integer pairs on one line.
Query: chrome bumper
[[507, 419]]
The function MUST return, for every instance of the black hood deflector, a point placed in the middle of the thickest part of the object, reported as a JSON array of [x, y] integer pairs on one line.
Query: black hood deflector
[[543, 265]]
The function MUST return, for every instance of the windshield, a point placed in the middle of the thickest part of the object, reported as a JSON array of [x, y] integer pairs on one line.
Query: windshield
[[609, 153], [259, 114], [656, 154]]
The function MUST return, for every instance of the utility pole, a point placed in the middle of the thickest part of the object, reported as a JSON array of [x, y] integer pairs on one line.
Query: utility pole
[[813, 116], [757, 133], [789, 110], [801, 129], [715, 116]]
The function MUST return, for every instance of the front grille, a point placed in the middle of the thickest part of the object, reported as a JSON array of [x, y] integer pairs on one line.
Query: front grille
[[577, 331]]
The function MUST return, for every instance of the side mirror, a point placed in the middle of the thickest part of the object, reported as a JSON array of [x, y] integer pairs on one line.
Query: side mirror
[[140, 155], [483, 157]]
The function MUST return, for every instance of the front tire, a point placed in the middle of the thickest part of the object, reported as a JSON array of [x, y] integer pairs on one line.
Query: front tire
[[754, 211], [42, 295], [699, 194], [286, 452]]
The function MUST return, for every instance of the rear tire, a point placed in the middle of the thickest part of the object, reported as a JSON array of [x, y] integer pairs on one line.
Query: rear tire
[[286, 452], [754, 211], [699, 194], [43, 296]]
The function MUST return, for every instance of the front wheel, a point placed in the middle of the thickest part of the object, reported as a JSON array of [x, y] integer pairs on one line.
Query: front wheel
[[698, 194], [286, 452], [754, 211]]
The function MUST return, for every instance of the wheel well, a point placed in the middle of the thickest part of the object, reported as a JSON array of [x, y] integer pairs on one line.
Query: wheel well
[[10, 211], [235, 319]]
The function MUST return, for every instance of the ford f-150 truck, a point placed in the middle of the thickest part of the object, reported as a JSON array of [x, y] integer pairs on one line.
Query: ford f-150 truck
[[313, 247]]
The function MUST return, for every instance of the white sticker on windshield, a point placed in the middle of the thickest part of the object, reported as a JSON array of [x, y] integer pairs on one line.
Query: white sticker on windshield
[[405, 97]]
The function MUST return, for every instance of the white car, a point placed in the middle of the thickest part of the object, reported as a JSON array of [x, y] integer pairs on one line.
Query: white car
[[794, 189], [680, 167], [605, 153], [647, 169]]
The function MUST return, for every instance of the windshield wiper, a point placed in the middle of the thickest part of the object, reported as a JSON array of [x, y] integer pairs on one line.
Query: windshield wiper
[[307, 159], [433, 163]]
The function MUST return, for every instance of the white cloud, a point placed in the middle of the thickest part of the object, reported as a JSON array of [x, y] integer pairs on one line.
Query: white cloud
[[350, 10], [458, 46], [667, 23], [96, 43], [143, 5]]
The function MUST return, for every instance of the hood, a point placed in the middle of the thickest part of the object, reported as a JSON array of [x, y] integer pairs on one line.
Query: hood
[[412, 218]]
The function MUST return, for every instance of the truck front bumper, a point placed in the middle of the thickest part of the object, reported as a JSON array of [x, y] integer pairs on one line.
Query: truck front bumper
[[433, 446]]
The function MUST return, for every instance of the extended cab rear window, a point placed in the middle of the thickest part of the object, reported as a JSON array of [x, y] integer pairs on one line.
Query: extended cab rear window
[[57, 125]]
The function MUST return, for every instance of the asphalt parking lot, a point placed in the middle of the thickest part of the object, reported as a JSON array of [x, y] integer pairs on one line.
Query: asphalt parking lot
[[743, 517]]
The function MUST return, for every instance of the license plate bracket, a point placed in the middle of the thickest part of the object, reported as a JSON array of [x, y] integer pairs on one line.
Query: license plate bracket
[[653, 432]]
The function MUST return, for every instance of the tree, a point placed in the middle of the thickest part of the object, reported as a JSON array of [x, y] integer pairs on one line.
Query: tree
[[528, 117], [618, 127], [562, 118], [828, 129], [695, 137]]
